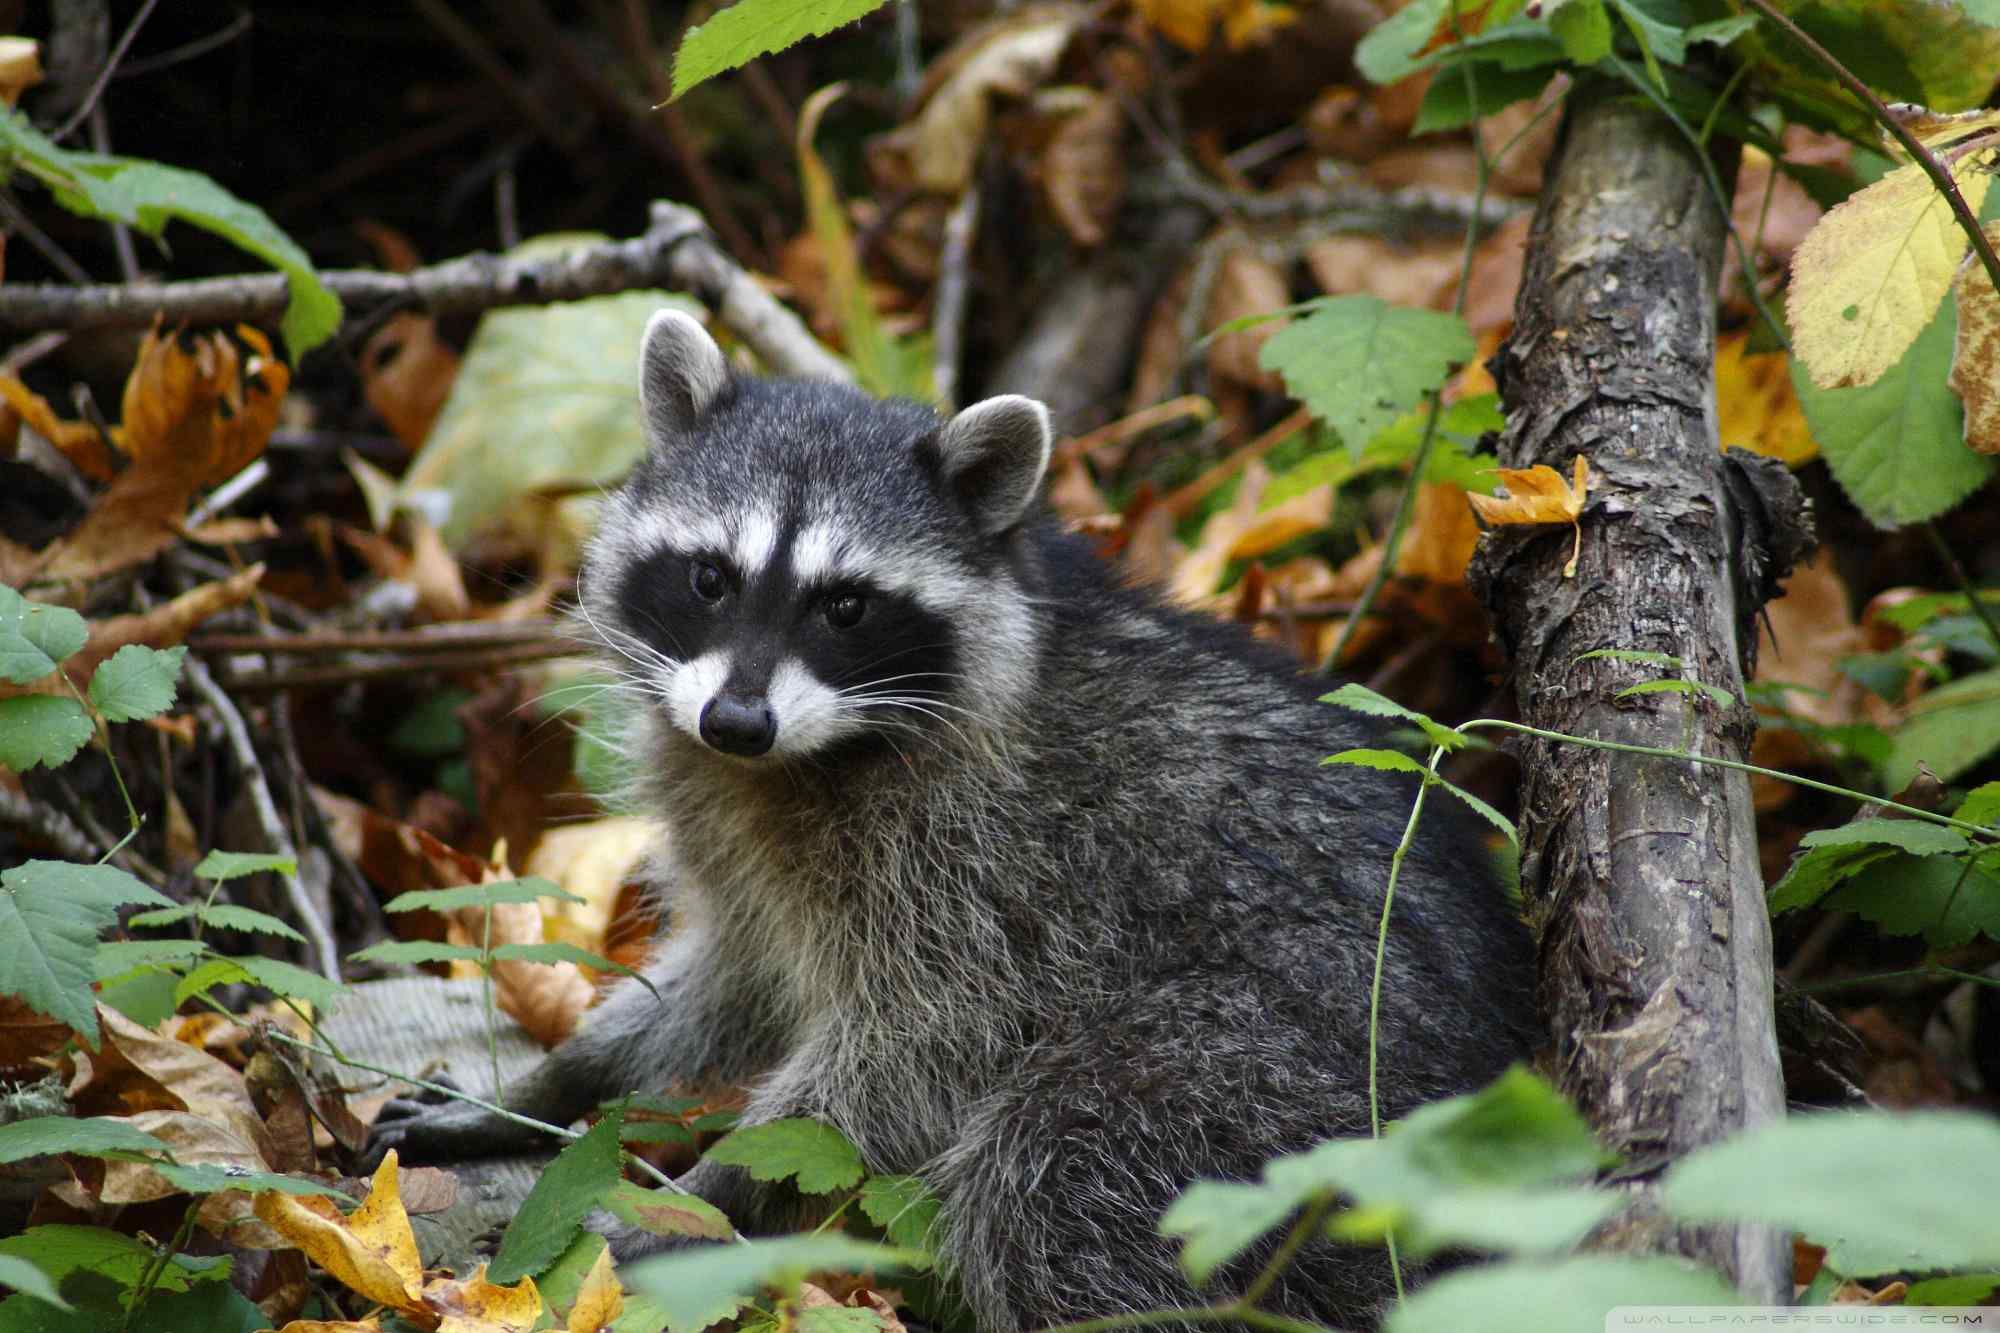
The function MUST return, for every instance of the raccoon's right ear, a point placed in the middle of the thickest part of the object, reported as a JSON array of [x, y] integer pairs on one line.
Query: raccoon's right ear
[[993, 455], [681, 371]]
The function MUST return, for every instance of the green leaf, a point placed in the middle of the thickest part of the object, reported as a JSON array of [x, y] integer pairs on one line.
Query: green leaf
[[1393, 48], [1982, 803], [109, 1259], [902, 1207], [412, 952], [1388, 761], [29, 1280], [1964, 1289], [561, 951], [1896, 446], [1482, 809], [1915, 836], [1348, 342], [1659, 43], [1884, 1193], [1476, 1170], [1715, 692], [698, 1287], [93, 1137], [220, 866], [1951, 728], [222, 916], [1815, 872], [1451, 102], [1562, 1296], [280, 978], [121, 956], [144, 995], [41, 729], [819, 1155], [34, 637], [527, 889], [1584, 30], [564, 1193], [206, 1178], [1666, 660], [1986, 13], [838, 1319], [51, 913], [666, 1212], [1721, 31], [1361, 699], [136, 682], [751, 28], [1940, 898]]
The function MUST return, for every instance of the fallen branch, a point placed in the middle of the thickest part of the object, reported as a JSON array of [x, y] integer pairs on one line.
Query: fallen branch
[[676, 252]]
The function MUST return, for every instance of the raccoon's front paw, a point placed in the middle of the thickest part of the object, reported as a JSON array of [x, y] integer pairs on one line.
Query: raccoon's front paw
[[421, 1131]]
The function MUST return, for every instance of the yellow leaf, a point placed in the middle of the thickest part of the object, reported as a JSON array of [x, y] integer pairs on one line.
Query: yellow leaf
[[1936, 129], [1867, 279], [1251, 21], [1757, 407], [1185, 23], [371, 1251], [1975, 358], [599, 1300], [1539, 495], [474, 1305]]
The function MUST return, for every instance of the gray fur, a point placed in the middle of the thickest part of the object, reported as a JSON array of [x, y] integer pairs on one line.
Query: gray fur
[[1094, 926]]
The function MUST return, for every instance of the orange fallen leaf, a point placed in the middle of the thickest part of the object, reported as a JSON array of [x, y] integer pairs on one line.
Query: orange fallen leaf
[[371, 1251], [1539, 495], [474, 1305]]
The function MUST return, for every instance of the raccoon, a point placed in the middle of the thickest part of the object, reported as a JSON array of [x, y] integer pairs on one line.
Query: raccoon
[[1028, 882]]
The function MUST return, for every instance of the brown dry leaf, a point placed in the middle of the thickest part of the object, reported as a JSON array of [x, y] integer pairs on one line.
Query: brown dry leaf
[[545, 998], [26, 1039], [406, 374], [195, 1140], [1527, 131], [1419, 274], [1975, 359], [78, 441], [1772, 211], [1758, 409], [1245, 284], [474, 1305], [1441, 537], [371, 1251], [192, 418], [1008, 57], [188, 1078], [593, 860], [1802, 638], [599, 1300], [1082, 169], [439, 581], [1539, 495], [230, 531], [1242, 532], [20, 67]]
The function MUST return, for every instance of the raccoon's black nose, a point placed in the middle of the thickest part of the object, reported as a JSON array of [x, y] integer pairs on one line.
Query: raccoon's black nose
[[739, 724]]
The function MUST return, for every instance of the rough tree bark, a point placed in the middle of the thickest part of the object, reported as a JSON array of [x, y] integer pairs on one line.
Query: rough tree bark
[[1641, 873]]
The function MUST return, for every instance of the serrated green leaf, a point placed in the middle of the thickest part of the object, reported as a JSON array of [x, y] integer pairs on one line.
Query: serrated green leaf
[[1483, 810], [1941, 898], [280, 978], [699, 1287], [222, 916], [1482, 1169], [526, 889], [1361, 699], [1560, 1296], [902, 1207], [1393, 48], [1896, 446], [136, 682], [561, 951], [666, 1212], [1915, 836], [564, 1193], [29, 1280], [1814, 873], [220, 866], [1399, 354], [1388, 761], [751, 28], [34, 637], [114, 1258], [413, 952], [1715, 692], [1877, 1213], [51, 913], [41, 729], [818, 1155], [120, 956], [207, 1178], [1951, 729], [1584, 30], [1666, 660], [96, 1136], [1451, 102], [1982, 803]]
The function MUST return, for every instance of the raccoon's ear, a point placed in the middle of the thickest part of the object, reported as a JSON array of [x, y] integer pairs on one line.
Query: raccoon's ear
[[993, 455], [681, 370]]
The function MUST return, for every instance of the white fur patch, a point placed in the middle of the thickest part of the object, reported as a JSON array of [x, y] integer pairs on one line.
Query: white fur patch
[[824, 554], [637, 533], [691, 687], [756, 539], [809, 712]]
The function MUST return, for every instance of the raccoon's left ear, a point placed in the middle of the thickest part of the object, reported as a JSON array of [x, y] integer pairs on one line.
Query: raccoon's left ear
[[993, 455]]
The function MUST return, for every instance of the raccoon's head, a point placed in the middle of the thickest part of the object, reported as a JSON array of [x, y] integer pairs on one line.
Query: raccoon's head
[[796, 567]]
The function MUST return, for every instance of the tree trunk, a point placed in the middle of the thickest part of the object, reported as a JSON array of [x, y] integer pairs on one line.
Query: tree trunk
[[1641, 874]]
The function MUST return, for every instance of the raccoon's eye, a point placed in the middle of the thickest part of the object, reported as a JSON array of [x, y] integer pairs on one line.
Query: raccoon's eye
[[709, 584], [844, 611]]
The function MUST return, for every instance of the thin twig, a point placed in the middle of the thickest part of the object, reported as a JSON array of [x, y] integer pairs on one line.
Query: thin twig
[[449, 637], [82, 113], [1922, 156], [491, 659], [200, 46], [954, 286], [268, 817]]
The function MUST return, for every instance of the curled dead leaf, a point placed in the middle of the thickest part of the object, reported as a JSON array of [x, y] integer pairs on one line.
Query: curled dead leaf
[[371, 1251], [1539, 495], [599, 1300], [1975, 359]]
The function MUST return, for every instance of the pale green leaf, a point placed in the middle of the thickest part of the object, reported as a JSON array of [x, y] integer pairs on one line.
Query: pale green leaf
[[1560, 1296], [136, 682], [818, 1155], [527, 889], [222, 916], [698, 1287], [120, 956], [750, 28], [1584, 30], [41, 729], [278, 977], [1915, 836], [34, 637], [561, 951], [902, 1207], [666, 1212], [1358, 363], [220, 866], [51, 913], [1361, 699], [1951, 729], [1393, 48], [29, 1280], [412, 952]]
